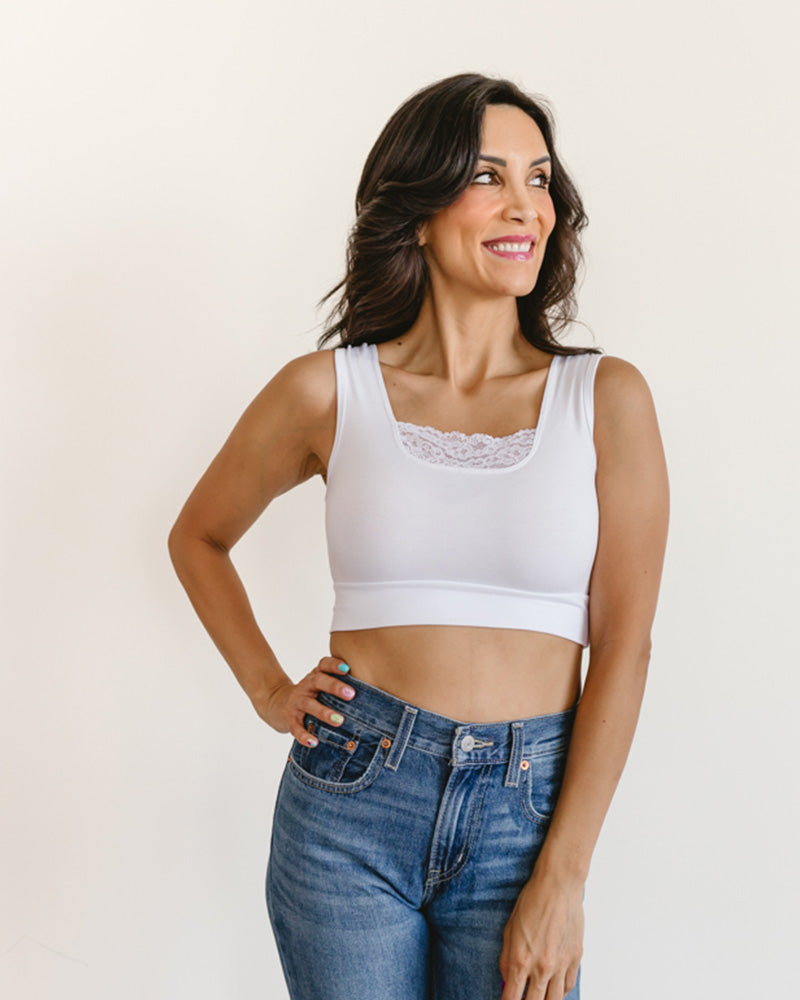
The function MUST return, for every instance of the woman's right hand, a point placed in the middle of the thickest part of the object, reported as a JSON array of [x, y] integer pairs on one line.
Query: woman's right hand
[[288, 703]]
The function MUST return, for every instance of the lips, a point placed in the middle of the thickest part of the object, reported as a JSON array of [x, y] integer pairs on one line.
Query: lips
[[514, 247]]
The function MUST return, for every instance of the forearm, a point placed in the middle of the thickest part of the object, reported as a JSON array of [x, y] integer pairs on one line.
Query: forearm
[[219, 598], [604, 726]]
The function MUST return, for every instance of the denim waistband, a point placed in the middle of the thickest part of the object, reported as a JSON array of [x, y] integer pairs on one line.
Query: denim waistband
[[462, 742]]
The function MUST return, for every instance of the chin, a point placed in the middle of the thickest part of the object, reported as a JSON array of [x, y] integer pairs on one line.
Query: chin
[[517, 289], [518, 285]]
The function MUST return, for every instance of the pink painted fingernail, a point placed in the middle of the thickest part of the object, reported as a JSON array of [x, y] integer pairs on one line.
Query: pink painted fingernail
[[348, 692]]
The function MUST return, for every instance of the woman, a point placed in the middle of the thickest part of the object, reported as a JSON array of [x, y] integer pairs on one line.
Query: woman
[[495, 502]]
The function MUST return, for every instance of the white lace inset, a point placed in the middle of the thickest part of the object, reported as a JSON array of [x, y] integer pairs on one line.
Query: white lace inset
[[475, 451]]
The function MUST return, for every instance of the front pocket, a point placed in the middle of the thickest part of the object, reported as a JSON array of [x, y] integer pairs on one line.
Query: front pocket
[[542, 780], [346, 759]]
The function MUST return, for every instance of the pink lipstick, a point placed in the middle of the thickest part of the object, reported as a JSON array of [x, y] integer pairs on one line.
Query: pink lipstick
[[517, 247]]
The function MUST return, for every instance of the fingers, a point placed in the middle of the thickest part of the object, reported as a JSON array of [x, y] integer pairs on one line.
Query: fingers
[[332, 680], [539, 983], [517, 986], [557, 989], [520, 987], [331, 664], [326, 676], [571, 977], [321, 680]]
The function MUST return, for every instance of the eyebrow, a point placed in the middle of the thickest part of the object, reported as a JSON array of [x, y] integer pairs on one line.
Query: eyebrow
[[502, 163]]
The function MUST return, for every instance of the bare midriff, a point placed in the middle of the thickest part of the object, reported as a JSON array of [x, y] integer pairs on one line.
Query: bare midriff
[[467, 673]]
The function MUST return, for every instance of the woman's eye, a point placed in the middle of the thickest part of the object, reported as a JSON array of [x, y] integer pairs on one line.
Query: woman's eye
[[488, 177]]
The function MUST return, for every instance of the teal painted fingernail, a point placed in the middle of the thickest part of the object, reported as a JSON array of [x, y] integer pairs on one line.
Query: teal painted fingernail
[[337, 718], [343, 667]]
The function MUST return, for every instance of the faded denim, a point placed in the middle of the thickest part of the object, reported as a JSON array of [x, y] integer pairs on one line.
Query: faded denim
[[400, 844]]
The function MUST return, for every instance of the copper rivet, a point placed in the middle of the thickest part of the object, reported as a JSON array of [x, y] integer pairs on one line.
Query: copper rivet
[[525, 765], [350, 745], [386, 743], [311, 727]]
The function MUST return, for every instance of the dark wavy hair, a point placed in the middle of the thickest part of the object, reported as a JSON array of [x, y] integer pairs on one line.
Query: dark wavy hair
[[422, 161]]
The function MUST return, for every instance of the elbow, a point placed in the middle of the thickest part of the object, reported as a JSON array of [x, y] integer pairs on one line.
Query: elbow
[[185, 544], [180, 542], [175, 545]]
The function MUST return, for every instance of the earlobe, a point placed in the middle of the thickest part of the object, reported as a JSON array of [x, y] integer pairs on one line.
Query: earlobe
[[421, 235]]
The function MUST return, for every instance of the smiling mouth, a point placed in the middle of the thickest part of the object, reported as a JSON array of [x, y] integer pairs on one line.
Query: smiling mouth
[[509, 247], [512, 250]]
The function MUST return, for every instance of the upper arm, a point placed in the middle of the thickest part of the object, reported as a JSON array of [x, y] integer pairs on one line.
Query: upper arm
[[633, 498], [275, 445]]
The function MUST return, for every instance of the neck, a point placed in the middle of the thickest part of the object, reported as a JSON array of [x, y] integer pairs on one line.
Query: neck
[[468, 341]]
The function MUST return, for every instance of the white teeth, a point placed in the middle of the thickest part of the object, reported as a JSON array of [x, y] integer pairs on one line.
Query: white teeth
[[510, 247]]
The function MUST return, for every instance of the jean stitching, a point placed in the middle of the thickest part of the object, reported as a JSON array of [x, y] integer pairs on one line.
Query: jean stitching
[[400, 742], [391, 734], [511, 777], [526, 799], [471, 832], [436, 876], [441, 813], [374, 768]]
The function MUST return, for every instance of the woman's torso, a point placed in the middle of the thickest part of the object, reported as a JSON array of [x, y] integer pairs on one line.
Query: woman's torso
[[470, 673]]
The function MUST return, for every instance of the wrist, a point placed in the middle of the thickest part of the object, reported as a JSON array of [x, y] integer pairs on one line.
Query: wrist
[[568, 868], [262, 696]]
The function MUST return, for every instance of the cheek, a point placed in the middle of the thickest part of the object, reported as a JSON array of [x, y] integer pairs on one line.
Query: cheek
[[548, 217], [466, 214]]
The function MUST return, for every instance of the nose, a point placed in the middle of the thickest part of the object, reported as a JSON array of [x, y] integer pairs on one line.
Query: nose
[[519, 205]]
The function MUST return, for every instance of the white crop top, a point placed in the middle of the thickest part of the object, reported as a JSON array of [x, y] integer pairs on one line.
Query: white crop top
[[418, 540]]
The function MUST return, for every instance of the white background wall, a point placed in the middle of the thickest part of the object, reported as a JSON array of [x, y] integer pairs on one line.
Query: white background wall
[[176, 183]]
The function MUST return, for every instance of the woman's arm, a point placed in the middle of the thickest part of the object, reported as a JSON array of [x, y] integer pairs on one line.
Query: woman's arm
[[274, 446], [544, 937]]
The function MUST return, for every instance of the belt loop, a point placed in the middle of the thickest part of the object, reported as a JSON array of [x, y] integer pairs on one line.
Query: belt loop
[[515, 756], [401, 737]]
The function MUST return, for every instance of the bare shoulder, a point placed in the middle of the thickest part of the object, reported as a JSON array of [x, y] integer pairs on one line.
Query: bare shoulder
[[622, 398], [619, 385], [308, 382], [626, 431], [304, 391], [301, 394], [284, 430]]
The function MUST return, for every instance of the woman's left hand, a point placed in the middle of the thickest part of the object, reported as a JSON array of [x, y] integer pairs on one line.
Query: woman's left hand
[[543, 939]]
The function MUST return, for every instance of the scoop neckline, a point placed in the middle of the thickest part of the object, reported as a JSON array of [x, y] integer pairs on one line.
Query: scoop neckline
[[393, 422]]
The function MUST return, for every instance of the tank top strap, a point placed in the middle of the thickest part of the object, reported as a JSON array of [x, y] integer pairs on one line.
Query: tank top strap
[[572, 398], [361, 431], [355, 368]]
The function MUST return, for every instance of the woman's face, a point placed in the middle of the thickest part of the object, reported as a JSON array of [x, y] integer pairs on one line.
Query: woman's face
[[490, 242]]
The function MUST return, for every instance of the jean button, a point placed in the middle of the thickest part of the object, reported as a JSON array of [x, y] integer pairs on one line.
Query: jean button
[[467, 743]]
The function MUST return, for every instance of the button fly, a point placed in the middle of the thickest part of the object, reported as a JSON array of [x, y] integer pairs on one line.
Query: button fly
[[467, 743]]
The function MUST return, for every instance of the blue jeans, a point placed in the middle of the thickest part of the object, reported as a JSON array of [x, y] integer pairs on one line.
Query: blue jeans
[[400, 844]]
